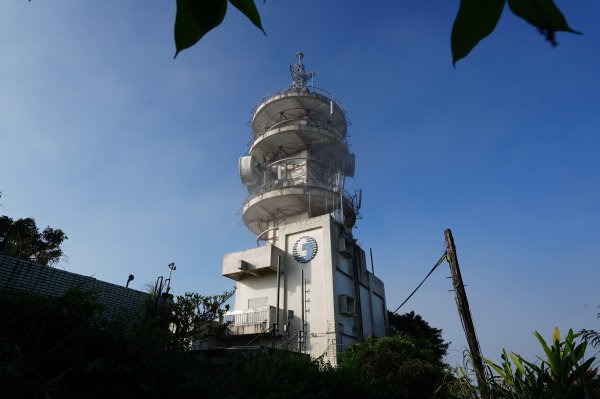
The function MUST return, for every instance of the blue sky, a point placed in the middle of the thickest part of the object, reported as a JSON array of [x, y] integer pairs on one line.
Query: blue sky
[[134, 154]]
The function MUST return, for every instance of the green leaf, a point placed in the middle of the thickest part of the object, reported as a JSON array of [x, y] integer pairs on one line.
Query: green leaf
[[517, 361], [586, 365], [248, 8], [475, 20], [543, 14], [194, 19], [550, 355], [497, 368]]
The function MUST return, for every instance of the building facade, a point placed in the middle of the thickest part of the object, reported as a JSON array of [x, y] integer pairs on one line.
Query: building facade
[[306, 286]]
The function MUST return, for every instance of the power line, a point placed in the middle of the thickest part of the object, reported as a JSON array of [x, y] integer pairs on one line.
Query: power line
[[439, 262]]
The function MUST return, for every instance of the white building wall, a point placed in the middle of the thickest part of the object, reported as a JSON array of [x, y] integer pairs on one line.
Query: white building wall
[[265, 286], [319, 316], [327, 276]]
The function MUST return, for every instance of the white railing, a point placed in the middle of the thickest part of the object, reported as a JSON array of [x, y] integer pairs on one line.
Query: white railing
[[303, 121], [250, 316], [311, 89]]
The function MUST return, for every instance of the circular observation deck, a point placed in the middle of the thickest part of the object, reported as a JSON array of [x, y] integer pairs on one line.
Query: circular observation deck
[[309, 104], [276, 204], [297, 135]]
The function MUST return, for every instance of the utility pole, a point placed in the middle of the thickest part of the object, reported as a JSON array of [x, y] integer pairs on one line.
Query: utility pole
[[465, 314]]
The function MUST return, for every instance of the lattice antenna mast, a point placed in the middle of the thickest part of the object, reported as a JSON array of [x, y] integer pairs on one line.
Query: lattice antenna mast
[[299, 75]]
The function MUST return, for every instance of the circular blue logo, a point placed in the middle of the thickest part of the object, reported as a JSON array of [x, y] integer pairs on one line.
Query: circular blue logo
[[305, 248]]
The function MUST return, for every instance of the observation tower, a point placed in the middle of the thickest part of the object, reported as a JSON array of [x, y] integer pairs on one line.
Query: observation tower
[[298, 159], [306, 286]]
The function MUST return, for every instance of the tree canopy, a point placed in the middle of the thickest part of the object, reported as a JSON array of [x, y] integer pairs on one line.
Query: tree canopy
[[193, 316], [413, 325], [407, 366], [22, 239]]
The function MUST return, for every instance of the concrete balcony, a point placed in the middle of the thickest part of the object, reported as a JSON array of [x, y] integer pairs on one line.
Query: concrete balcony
[[250, 263], [288, 104], [272, 199], [296, 133], [250, 321]]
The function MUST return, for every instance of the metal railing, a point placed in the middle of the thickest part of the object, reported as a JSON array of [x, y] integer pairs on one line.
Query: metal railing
[[251, 316], [311, 89], [305, 121], [279, 184]]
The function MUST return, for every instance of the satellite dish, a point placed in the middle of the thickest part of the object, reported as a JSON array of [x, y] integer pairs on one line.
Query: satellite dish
[[248, 169]]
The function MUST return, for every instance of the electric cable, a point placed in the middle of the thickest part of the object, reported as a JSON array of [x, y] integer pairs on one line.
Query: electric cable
[[439, 262]]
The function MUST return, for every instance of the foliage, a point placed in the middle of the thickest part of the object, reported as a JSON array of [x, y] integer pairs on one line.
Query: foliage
[[41, 341], [414, 325], [461, 385], [23, 240], [195, 18], [63, 347], [562, 374], [406, 366], [194, 316], [270, 375], [60, 347], [592, 336], [476, 19]]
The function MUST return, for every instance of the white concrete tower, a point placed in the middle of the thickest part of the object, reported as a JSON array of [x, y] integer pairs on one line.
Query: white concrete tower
[[307, 288], [298, 159]]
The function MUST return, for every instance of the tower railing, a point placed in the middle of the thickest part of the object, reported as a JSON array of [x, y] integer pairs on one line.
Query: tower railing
[[291, 182], [263, 235], [280, 184], [305, 121], [310, 89]]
